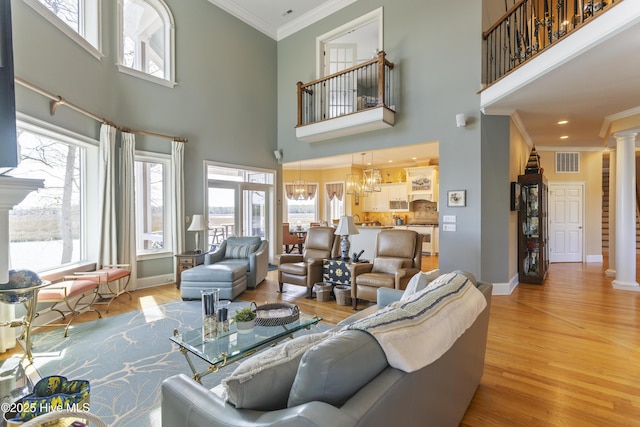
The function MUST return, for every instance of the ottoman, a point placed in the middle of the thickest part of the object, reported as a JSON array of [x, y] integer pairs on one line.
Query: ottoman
[[230, 279]]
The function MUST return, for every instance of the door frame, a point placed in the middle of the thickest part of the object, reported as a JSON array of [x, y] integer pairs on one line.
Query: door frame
[[582, 186], [326, 38]]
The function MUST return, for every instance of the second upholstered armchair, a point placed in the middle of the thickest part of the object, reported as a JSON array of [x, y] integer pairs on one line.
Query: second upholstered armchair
[[306, 269], [398, 258]]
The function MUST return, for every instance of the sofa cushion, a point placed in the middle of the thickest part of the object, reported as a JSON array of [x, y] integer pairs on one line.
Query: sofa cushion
[[239, 251], [262, 382], [418, 282], [244, 241], [386, 265], [335, 369]]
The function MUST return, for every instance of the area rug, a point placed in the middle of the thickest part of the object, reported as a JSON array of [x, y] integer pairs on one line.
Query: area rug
[[126, 358]]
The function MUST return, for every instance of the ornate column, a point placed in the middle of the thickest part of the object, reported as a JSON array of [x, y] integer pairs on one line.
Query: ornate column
[[611, 271], [625, 212]]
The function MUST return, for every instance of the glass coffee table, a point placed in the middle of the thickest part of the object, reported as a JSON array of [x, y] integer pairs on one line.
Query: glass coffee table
[[230, 346]]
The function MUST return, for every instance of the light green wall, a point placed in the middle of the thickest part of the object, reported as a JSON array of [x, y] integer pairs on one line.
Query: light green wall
[[436, 47], [495, 206], [224, 102], [236, 96]]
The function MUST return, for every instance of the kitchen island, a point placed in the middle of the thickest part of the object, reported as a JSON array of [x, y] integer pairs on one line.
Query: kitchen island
[[366, 240]]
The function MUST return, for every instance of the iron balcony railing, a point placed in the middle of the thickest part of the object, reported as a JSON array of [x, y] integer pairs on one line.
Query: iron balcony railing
[[529, 26], [364, 86]]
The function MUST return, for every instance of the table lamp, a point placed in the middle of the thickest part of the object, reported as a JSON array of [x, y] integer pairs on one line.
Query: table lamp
[[346, 227], [198, 224]]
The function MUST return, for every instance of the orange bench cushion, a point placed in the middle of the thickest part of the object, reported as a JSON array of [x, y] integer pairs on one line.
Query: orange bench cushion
[[109, 274], [56, 291]]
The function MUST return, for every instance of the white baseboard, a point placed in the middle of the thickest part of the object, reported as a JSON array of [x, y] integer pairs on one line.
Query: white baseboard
[[505, 288], [151, 281], [594, 258]]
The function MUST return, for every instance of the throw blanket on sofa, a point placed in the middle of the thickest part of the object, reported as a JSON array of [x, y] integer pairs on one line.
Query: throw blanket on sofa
[[416, 332]]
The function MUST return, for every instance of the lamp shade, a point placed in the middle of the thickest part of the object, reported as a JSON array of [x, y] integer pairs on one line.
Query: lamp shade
[[198, 223], [346, 226]]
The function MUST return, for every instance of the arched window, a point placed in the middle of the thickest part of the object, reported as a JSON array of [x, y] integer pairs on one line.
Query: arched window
[[78, 19], [146, 40]]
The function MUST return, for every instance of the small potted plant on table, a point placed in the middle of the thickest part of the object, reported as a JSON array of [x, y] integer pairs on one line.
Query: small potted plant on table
[[245, 318]]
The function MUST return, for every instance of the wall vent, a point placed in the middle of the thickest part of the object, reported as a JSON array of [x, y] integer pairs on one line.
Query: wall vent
[[567, 162]]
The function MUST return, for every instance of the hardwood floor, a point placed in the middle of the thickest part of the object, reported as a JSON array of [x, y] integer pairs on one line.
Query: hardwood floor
[[566, 353]]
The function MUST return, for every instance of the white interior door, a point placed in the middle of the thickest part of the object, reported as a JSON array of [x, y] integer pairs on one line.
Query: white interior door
[[565, 222], [341, 91]]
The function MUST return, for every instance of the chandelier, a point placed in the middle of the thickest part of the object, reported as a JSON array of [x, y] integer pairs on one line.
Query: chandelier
[[353, 182], [371, 178], [300, 187]]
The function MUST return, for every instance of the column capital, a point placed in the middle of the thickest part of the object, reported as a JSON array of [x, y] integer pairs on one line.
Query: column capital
[[629, 134]]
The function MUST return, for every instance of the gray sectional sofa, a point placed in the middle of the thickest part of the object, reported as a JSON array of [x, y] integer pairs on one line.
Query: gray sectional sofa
[[237, 264], [346, 380]]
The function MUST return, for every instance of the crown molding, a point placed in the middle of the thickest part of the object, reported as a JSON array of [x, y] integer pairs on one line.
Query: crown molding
[[279, 33]]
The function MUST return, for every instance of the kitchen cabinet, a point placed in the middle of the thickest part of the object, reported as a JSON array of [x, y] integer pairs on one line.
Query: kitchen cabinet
[[373, 202], [396, 197], [391, 198], [533, 251], [422, 183]]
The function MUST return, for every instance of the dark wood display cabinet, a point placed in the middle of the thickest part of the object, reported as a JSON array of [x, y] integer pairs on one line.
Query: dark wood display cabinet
[[533, 251]]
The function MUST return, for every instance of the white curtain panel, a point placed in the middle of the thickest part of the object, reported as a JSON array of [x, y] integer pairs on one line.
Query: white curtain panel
[[127, 232], [177, 172], [108, 233]]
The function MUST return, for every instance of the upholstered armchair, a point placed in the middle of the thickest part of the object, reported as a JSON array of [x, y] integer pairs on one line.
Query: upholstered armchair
[[306, 269], [398, 258]]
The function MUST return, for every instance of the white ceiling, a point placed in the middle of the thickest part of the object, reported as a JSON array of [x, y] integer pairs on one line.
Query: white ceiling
[[588, 84], [281, 18]]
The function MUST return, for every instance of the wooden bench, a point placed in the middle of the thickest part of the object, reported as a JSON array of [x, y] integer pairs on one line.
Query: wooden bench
[[63, 295]]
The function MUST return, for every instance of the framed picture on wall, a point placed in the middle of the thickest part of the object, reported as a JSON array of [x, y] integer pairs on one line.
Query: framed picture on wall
[[456, 198], [515, 196]]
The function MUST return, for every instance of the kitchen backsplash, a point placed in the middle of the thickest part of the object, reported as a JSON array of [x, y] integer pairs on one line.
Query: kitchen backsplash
[[422, 211]]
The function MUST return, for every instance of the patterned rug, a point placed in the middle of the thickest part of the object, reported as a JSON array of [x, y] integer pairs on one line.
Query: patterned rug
[[126, 358]]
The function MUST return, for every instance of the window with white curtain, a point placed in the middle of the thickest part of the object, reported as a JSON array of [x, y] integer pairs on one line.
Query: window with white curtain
[[146, 40], [301, 212], [78, 19], [53, 228], [335, 197], [153, 203]]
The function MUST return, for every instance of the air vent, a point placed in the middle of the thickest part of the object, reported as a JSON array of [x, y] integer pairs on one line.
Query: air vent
[[568, 162]]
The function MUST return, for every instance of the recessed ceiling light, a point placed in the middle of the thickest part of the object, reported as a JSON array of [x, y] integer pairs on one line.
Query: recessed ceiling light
[[390, 161], [563, 122], [564, 137]]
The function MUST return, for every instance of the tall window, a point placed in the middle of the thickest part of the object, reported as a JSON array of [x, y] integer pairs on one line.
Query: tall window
[[146, 38], [238, 201], [153, 229], [301, 212], [78, 19], [47, 230]]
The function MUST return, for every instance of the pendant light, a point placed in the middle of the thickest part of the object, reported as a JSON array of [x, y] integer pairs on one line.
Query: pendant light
[[353, 181], [372, 178], [300, 188]]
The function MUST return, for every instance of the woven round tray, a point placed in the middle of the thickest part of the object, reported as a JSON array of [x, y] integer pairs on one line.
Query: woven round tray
[[276, 314]]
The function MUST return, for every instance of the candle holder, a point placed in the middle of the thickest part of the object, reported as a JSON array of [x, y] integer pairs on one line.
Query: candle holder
[[210, 300]]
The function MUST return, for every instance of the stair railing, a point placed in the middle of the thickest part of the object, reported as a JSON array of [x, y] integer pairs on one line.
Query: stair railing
[[529, 26], [364, 86]]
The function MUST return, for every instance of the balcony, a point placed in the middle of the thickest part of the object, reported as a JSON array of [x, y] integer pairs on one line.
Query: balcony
[[355, 100], [531, 26]]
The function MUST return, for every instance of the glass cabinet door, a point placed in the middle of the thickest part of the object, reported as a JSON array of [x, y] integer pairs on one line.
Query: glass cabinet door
[[532, 241]]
